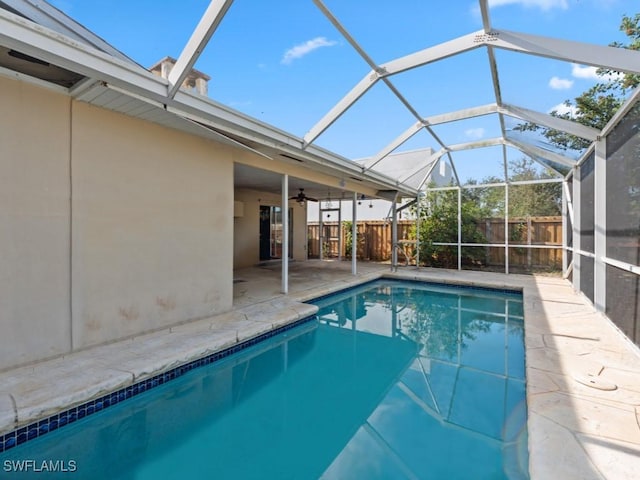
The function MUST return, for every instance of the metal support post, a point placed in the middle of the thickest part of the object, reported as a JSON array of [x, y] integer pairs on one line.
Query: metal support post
[[565, 228], [506, 228], [320, 229], [600, 222], [285, 234], [418, 232], [577, 224], [459, 228], [340, 233], [354, 235], [394, 235]]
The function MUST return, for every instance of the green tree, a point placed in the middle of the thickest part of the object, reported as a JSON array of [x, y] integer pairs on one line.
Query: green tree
[[597, 105], [544, 199], [439, 224], [439, 213], [348, 237], [484, 201], [529, 200], [541, 199]]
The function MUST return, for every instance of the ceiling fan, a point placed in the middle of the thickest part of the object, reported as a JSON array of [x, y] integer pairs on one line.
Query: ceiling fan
[[302, 197]]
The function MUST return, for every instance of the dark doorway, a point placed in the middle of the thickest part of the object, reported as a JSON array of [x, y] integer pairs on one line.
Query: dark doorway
[[271, 232], [265, 232]]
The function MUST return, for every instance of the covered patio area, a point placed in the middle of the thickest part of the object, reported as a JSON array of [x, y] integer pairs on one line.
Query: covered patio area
[[307, 280]]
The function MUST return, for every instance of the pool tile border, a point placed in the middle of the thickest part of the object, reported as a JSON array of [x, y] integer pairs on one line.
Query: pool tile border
[[403, 277], [464, 286], [398, 278], [54, 422]]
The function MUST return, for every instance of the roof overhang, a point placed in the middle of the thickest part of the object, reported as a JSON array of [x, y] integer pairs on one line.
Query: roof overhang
[[126, 87], [96, 73]]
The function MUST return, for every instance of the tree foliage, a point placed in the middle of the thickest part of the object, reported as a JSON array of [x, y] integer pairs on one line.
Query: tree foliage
[[597, 105], [536, 199], [541, 199], [439, 224], [439, 213]]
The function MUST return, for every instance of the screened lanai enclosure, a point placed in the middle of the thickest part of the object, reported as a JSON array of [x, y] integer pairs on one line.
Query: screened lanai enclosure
[[527, 191], [597, 195], [552, 194], [155, 205], [439, 118]]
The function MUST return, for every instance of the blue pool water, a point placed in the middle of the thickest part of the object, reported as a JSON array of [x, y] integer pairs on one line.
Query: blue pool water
[[392, 380]]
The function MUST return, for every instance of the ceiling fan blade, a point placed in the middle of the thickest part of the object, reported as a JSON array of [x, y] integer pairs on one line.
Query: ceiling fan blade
[[312, 199]]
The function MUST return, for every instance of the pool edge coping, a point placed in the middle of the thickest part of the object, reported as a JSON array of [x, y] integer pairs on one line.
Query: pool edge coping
[[37, 428], [32, 428]]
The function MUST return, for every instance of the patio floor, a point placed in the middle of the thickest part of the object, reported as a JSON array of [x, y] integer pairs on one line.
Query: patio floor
[[575, 431]]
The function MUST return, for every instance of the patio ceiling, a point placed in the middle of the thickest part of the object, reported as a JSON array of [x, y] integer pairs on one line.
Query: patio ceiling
[[261, 180], [60, 53]]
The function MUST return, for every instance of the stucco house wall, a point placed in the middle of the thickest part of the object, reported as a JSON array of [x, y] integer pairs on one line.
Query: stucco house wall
[[34, 223], [111, 226], [152, 226]]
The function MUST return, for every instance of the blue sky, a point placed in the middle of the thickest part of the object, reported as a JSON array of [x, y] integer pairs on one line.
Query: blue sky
[[282, 61]]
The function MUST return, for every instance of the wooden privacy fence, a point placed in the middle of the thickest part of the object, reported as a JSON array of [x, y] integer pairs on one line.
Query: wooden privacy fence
[[374, 240], [535, 231]]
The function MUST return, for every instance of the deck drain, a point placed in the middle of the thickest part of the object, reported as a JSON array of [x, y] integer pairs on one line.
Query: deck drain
[[595, 382]]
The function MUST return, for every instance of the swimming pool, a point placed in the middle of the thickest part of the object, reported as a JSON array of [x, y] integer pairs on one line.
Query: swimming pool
[[391, 380]]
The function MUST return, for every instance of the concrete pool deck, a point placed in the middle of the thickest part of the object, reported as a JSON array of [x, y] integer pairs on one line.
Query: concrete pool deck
[[575, 431]]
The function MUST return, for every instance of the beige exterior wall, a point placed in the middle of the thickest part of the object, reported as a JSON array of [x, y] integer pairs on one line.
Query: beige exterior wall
[[34, 223], [152, 226], [246, 248], [111, 226]]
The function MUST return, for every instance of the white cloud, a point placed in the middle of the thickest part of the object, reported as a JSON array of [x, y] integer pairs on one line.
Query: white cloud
[[563, 109], [305, 48], [541, 4], [474, 133], [591, 73], [558, 83], [579, 71]]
